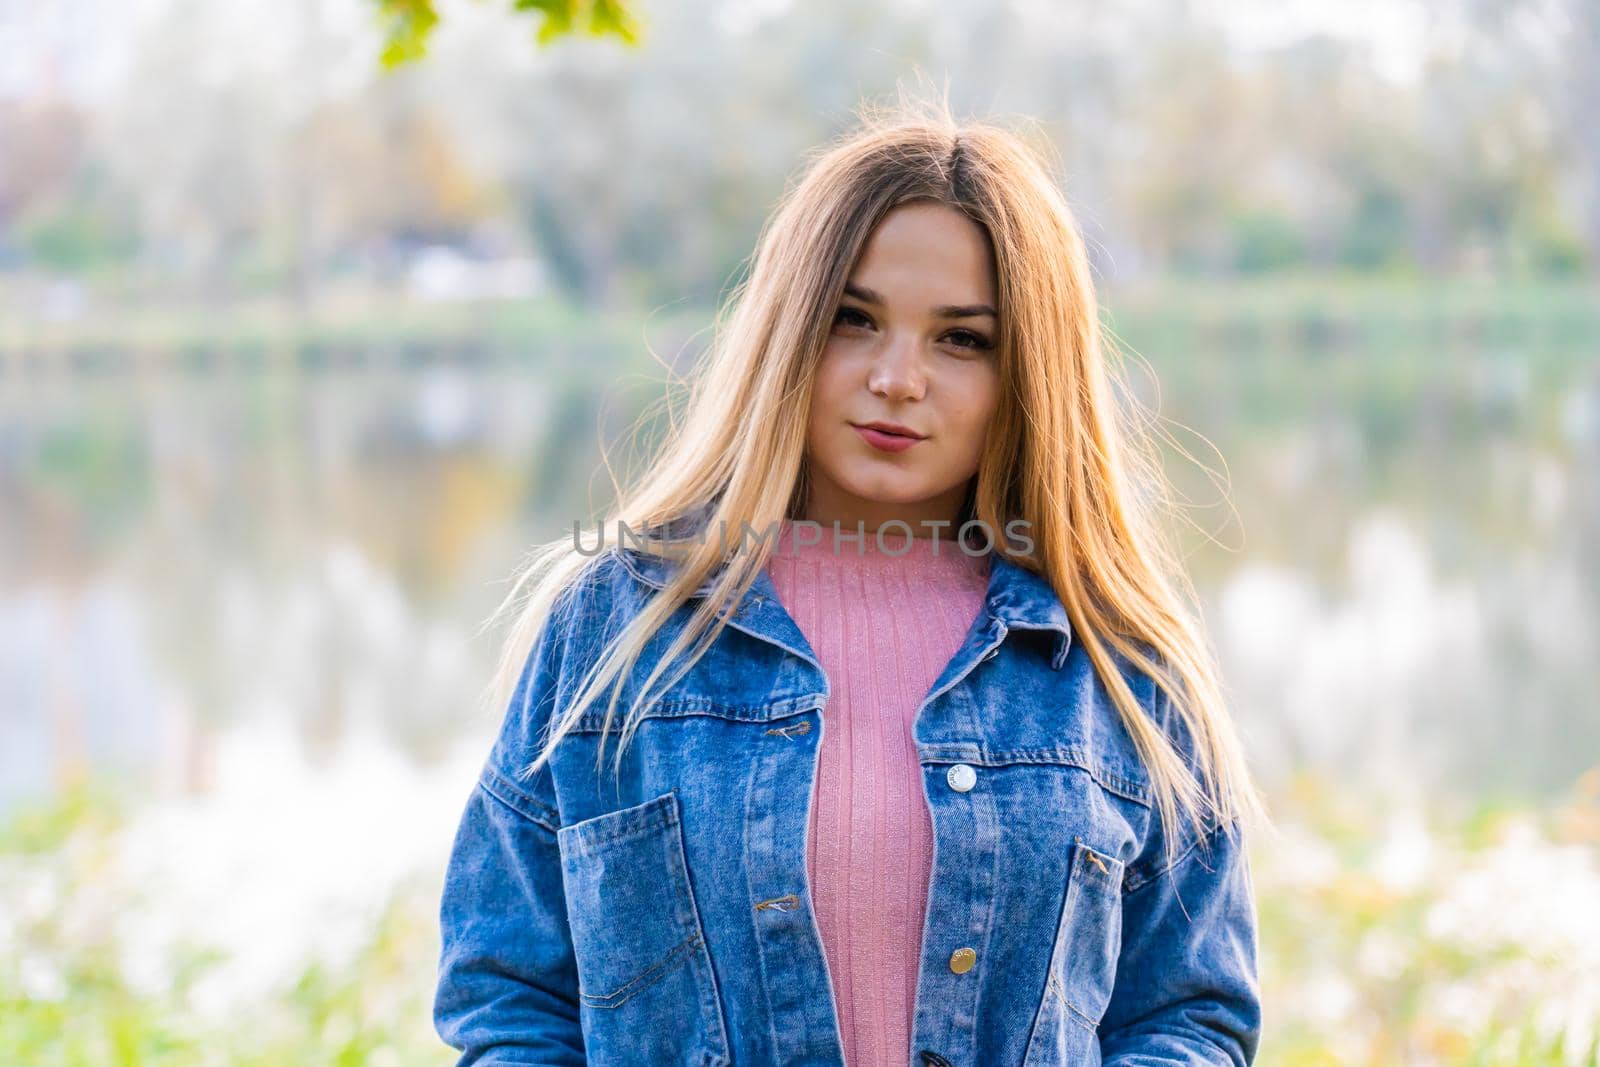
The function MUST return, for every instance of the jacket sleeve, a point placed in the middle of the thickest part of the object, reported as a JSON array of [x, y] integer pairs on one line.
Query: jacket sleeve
[[507, 988], [1186, 989]]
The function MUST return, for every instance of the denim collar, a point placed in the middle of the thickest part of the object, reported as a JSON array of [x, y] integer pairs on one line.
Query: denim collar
[[1017, 598]]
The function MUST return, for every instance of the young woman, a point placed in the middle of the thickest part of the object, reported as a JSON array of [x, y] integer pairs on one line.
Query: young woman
[[917, 754]]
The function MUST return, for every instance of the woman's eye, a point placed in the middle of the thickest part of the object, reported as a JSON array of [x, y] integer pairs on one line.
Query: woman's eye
[[848, 316], [968, 339]]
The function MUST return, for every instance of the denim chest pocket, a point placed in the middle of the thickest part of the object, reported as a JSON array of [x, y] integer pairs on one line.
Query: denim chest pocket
[[1083, 962], [647, 992]]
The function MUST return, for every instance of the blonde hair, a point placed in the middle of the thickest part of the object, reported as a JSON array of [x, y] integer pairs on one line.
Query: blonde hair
[[1060, 452]]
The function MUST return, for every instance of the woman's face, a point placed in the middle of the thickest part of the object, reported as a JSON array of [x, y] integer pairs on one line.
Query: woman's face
[[912, 344]]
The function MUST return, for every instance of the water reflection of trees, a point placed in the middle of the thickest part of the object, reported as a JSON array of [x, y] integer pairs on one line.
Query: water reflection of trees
[[1413, 597]]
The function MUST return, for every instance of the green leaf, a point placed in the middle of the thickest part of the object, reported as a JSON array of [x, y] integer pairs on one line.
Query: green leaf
[[407, 24]]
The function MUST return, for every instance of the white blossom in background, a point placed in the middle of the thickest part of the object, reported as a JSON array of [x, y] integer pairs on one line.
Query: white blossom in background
[[284, 864]]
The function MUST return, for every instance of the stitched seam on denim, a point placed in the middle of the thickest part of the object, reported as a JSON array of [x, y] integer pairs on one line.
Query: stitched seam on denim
[[625, 558], [1122, 787], [680, 707], [1050, 986], [498, 786], [645, 979], [628, 823], [692, 704], [1077, 1016], [1137, 880], [628, 565]]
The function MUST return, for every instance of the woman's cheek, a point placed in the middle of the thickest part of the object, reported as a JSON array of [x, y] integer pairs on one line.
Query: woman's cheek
[[974, 424]]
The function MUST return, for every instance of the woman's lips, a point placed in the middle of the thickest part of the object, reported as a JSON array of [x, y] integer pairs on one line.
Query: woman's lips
[[886, 442]]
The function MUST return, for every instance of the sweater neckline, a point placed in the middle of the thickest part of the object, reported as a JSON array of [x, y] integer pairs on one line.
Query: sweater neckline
[[920, 555]]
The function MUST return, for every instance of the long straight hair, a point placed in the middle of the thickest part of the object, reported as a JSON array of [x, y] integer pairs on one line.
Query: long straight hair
[[1064, 451]]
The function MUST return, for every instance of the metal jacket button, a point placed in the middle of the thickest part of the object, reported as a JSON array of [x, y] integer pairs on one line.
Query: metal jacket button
[[961, 777], [962, 959]]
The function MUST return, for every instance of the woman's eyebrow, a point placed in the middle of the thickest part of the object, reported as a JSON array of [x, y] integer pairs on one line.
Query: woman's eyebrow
[[947, 311]]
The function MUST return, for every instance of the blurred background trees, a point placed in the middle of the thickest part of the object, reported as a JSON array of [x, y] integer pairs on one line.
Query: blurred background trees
[[1454, 142]]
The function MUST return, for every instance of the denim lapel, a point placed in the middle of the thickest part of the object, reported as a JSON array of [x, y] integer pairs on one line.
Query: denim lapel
[[1017, 596]]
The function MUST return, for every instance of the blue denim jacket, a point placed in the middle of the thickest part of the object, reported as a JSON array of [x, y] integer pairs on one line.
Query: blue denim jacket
[[665, 918]]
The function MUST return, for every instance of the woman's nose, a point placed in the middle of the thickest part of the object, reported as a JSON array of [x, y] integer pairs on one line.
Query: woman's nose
[[897, 371]]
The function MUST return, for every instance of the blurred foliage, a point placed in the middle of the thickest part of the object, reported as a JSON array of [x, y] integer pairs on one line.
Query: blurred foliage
[[88, 226], [308, 171], [1351, 972], [408, 24], [73, 995], [1392, 934]]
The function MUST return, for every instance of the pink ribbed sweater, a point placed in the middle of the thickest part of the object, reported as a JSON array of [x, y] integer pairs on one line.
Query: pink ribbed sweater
[[884, 628]]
